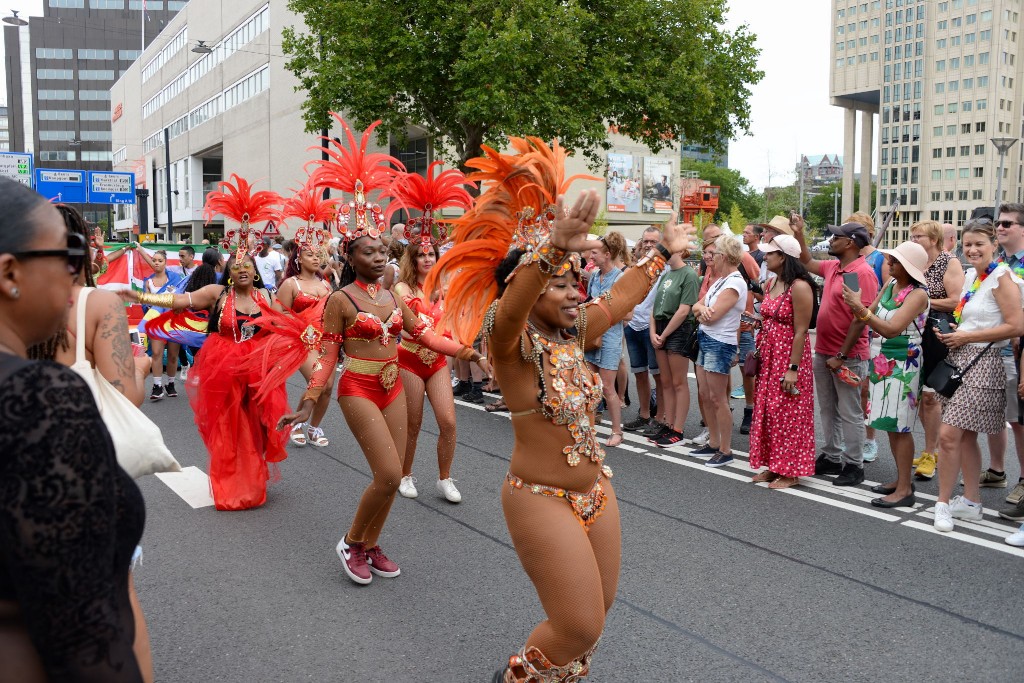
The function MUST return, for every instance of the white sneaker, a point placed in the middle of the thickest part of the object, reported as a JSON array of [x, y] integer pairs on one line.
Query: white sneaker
[[446, 487], [870, 450], [961, 508], [701, 439], [1017, 538], [183, 375], [407, 488], [943, 518]]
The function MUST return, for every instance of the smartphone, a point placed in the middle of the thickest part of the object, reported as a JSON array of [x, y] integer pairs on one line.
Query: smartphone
[[851, 281], [943, 325]]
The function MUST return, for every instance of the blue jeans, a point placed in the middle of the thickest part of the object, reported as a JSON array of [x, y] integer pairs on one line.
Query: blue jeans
[[641, 351], [715, 356]]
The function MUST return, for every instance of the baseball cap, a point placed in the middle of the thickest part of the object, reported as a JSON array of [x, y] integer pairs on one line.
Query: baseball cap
[[783, 243], [855, 231]]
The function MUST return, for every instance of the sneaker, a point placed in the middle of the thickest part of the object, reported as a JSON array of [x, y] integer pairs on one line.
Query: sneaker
[[719, 459], [170, 391], [637, 424], [850, 476], [379, 563], [701, 439], [671, 438], [870, 450], [407, 488], [663, 430], [1016, 538], [926, 466], [704, 452], [183, 373], [1016, 494], [653, 428], [353, 559], [1014, 513], [943, 518], [961, 508], [990, 479], [917, 460], [748, 414], [824, 466], [460, 387], [738, 393], [474, 395], [446, 487], [157, 393]]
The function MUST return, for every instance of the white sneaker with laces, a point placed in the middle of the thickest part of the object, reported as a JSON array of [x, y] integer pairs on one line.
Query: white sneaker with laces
[[961, 508], [407, 488], [943, 519], [446, 487], [1016, 538], [701, 439]]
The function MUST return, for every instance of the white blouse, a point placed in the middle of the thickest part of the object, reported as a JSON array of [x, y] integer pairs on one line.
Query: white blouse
[[982, 311]]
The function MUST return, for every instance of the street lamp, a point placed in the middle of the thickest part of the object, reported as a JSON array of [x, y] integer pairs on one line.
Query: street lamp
[[14, 19], [202, 48], [1003, 146]]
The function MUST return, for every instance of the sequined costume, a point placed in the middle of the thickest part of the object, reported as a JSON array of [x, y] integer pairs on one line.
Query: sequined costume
[[414, 357]]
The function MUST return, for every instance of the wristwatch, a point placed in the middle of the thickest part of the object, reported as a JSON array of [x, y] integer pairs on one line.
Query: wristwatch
[[842, 356], [793, 367]]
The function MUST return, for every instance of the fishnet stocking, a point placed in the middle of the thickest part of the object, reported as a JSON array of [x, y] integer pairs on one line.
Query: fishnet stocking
[[439, 390], [322, 403]]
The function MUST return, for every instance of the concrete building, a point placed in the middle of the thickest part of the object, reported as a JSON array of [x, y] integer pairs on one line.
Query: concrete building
[[700, 153], [942, 77], [215, 87], [819, 169], [5, 130]]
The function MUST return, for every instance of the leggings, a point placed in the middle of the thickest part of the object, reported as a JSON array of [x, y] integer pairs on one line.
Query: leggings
[[575, 572], [381, 435], [437, 388]]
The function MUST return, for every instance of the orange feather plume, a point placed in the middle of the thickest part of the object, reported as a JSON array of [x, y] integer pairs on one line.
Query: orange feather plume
[[412, 191], [350, 163]]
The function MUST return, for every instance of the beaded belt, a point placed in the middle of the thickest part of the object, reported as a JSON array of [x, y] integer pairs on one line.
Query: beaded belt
[[426, 356], [587, 507], [386, 371]]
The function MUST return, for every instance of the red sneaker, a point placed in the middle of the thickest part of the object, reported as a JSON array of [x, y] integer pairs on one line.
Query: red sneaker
[[380, 564], [353, 559]]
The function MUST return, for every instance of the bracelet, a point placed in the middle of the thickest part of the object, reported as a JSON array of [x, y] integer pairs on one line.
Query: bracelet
[[653, 264], [161, 300], [663, 250], [865, 316], [189, 299], [481, 359]]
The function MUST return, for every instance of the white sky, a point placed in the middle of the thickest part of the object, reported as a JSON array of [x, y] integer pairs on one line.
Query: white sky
[[790, 113]]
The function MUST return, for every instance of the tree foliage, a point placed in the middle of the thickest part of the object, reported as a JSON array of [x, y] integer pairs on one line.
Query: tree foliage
[[473, 71], [737, 221], [734, 188], [821, 209]]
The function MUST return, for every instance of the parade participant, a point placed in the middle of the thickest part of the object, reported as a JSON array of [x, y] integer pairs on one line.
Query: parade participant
[[559, 504], [237, 423], [162, 281], [424, 371], [366, 320], [304, 291]]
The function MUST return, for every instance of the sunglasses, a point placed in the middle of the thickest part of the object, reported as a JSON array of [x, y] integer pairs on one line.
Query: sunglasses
[[235, 267], [1006, 224], [75, 253]]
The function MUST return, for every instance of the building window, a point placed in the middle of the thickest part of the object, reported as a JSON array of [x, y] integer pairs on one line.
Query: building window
[[951, 151], [986, 15], [95, 54], [96, 135], [96, 156], [56, 115], [68, 4], [176, 43], [128, 55], [936, 175], [55, 94], [106, 4], [94, 94], [940, 65], [55, 74], [52, 155], [120, 156], [961, 195], [96, 74], [93, 115], [979, 126], [948, 195], [975, 194], [983, 58], [979, 171], [49, 135], [965, 150], [965, 128], [53, 53]]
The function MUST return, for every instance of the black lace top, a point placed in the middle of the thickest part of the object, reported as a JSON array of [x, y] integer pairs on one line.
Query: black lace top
[[70, 519]]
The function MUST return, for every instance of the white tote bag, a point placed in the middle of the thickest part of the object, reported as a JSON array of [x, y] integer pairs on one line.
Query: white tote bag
[[137, 439]]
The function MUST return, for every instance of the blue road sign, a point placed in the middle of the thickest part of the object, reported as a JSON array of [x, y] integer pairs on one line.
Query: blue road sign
[[111, 187], [62, 185], [16, 166]]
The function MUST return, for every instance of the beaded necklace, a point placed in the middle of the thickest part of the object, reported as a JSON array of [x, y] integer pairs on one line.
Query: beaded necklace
[[246, 331], [959, 311]]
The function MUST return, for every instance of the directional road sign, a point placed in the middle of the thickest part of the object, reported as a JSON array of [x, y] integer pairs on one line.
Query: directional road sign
[[111, 187], [64, 186], [16, 166]]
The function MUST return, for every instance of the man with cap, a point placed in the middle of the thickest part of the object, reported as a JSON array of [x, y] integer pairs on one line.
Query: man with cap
[[840, 350]]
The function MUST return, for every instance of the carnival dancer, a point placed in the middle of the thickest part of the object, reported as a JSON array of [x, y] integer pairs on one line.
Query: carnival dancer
[[162, 281], [237, 423], [423, 370], [558, 501], [365, 321]]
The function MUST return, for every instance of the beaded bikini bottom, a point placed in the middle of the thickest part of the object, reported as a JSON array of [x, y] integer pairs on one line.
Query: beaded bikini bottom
[[586, 507]]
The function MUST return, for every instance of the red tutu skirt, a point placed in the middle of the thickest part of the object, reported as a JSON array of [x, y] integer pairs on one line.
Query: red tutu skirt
[[240, 432]]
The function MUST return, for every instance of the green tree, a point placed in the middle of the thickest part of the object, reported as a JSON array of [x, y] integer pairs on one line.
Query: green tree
[[737, 221], [734, 188], [600, 226], [470, 72], [779, 201], [821, 209]]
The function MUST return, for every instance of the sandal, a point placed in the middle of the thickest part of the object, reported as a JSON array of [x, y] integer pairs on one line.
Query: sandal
[[784, 483], [298, 436], [316, 436], [765, 477], [612, 438], [497, 406]]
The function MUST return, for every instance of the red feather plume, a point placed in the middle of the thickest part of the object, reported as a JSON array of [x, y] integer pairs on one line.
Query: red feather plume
[[349, 163], [238, 203], [308, 205]]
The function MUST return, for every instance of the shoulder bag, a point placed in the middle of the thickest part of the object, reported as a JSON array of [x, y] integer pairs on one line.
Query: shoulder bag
[[946, 378]]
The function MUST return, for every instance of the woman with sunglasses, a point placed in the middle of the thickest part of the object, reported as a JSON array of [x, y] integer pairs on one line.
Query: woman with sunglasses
[[64, 595]]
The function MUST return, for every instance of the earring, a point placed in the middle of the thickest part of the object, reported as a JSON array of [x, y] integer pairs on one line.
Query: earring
[[229, 281], [15, 292]]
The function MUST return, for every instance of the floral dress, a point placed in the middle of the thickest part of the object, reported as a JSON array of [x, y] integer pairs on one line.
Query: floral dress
[[895, 380], [782, 427]]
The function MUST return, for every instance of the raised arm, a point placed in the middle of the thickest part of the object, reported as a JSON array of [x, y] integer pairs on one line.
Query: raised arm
[[200, 300], [797, 223]]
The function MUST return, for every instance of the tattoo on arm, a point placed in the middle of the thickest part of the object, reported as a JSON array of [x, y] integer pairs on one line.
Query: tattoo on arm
[[115, 328]]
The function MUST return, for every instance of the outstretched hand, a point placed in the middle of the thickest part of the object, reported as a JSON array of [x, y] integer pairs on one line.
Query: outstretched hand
[[129, 295], [302, 415], [678, 237], [573, 227]]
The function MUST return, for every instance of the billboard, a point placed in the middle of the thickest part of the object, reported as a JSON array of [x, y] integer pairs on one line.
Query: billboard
[[623, 184], [659, 179]]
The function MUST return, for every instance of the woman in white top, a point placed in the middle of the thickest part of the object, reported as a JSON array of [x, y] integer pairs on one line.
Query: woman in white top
[[718, 315], [989, 314]]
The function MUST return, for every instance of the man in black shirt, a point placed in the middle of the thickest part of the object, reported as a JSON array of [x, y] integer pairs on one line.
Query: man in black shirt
[[752, 238]]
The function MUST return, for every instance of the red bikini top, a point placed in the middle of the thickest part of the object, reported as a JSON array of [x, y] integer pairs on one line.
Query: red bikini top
[[368, 326], [302, 300], [429, 313]]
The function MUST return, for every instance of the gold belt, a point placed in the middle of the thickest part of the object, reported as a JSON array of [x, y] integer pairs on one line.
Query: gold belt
[[426, 356], [386, 371]]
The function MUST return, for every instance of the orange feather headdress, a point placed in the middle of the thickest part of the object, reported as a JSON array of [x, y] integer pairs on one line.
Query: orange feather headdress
[[308, 204], [516, 212], [238, 203], [352, 171], [412, 191]]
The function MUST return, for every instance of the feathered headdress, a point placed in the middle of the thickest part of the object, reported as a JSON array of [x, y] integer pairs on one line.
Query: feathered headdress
[[308, 205], [238, 203], [412, 191], [351, 170], [516, 211]]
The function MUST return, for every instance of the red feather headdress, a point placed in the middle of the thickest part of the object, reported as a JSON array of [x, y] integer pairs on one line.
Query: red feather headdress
[[309, 205], [351, 170], [238, 203], [428, 194], [516, 211]]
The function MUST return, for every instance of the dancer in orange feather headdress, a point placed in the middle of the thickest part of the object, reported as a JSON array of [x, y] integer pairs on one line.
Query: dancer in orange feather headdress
[[422, 369], [237, 421], [518, 242], [366, 321]]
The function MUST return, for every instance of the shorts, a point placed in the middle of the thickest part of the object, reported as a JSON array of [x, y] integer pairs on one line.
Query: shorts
[[641, 351], [715, 356], [677, 341], [746, 344], [608, 355], [1013, 402], [413, 358]]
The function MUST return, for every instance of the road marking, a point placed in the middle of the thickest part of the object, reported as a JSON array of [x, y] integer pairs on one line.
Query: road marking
[[191, 484], [991, 545]]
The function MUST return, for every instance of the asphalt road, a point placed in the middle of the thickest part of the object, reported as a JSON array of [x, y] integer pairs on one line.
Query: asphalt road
[[721, 580]]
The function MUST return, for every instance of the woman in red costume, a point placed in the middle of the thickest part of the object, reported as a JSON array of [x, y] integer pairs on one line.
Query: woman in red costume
[[237, 418], [366, 321], [424, 372], [559, 504], [304, 292]]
